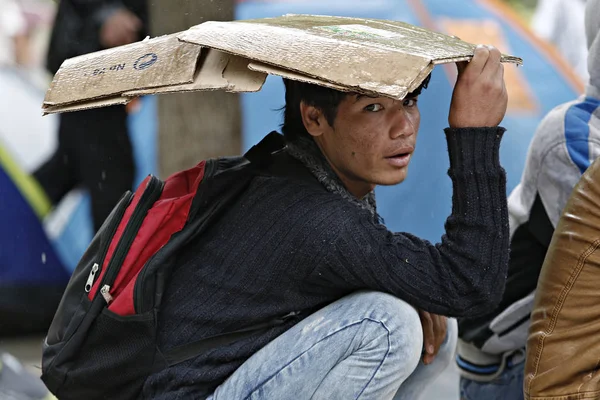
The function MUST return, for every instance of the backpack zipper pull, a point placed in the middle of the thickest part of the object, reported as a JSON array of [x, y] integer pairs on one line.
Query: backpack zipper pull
[[91, 276], [105, 291]]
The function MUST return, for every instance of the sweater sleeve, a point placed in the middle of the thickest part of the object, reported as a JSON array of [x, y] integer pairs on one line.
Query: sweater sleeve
[[464, 274]]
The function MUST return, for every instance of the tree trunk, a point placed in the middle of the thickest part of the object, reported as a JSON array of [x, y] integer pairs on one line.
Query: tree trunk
[[194, 126]]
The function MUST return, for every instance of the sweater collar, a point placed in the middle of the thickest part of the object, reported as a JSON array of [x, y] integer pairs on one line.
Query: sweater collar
[[305, 150]]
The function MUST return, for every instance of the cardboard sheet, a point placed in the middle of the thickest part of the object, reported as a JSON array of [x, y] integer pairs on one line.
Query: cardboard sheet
[[377, 57]]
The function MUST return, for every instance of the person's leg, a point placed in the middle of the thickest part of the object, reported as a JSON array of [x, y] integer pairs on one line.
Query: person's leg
[[361, 346], [563, 347], [508, 386], [105, 158], [415, 386], [59, 174]]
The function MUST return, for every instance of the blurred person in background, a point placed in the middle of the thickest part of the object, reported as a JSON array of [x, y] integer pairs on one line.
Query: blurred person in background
[[562, 347], [94, 149], [491, 349], [13, 39], [561, 23], [16, 383]]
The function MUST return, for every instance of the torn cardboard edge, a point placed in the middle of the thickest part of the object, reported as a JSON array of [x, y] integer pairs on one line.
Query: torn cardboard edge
[[284, 73], [237, 56], [87, 105], [296, 76]]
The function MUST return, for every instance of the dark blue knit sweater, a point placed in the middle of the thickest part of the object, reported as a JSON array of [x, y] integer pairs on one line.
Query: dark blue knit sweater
[[289, 245]]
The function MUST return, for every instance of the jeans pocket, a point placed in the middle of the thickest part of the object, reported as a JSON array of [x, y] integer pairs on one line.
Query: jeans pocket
[[466, 389], [508, 386]]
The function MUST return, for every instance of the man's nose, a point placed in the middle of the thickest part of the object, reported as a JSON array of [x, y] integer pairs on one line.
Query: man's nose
[[402, 124]]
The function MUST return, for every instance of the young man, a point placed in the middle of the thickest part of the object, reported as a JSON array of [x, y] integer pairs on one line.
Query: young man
[[491, 350], [304, 243]]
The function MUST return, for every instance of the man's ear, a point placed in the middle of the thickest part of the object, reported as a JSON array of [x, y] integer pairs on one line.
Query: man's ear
[[313, 119]]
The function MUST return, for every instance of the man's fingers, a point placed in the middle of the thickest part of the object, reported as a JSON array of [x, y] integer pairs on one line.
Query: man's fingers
[[428, 333], [493, 64], [428, 338], [479, 60], [132, 22], [500, 75], [130, 37]]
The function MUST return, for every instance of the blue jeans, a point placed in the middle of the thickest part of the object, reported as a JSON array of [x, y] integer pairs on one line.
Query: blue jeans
[[508, 386], [367, 345]]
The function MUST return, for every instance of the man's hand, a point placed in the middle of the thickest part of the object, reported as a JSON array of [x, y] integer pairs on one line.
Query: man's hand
[[434, 334], [479, 98], [122, 27]]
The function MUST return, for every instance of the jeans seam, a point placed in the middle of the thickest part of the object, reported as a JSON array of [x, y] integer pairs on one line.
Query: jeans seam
[[382, 359], [322, 339]]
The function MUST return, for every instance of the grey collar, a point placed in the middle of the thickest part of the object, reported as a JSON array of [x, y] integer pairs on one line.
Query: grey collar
[[308, 153]]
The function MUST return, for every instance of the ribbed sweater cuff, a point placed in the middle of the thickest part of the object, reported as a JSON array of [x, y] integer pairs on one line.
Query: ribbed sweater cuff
[[474, 149]]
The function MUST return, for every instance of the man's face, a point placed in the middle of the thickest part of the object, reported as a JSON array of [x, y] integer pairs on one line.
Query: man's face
[[371, 141]]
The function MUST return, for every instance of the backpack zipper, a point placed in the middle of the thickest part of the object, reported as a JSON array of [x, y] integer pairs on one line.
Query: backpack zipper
[[138, 292], [91, 277], [111, 229], [151, 194]]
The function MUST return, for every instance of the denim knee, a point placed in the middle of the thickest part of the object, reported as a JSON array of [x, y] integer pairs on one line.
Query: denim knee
[[403, 323]]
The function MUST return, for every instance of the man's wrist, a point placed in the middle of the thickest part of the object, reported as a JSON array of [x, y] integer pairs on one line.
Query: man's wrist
[[474, 148]]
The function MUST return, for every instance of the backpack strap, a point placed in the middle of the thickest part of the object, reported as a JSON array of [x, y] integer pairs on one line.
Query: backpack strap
[[260, 154]]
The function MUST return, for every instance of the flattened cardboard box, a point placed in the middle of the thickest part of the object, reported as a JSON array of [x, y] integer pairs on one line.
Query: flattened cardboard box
[[114, 71], [160, 65], [376, 57]]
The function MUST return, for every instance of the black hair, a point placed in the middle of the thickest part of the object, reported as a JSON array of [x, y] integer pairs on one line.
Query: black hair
[[325, 99]]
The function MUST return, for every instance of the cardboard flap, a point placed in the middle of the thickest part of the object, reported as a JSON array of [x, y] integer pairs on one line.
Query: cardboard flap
[[284, 73], [241, 77], [216, 71], [151, 63], [358, 67], [378, 56]]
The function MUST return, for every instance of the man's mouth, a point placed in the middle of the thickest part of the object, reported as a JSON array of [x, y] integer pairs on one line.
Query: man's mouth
[[401, 158]]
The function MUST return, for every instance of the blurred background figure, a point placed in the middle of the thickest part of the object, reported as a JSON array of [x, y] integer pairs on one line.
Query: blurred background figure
[[13, 38], [16, 382], [491, 350], [94, 149], [561, 22], [32, 272]]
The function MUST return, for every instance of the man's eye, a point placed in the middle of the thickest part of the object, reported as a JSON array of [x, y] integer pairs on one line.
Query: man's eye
[[409, 102], [374, 107]]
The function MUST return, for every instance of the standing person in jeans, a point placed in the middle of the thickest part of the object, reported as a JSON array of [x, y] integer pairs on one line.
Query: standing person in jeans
[[362, 309], [562, 347], [94, 149], [491, 350]]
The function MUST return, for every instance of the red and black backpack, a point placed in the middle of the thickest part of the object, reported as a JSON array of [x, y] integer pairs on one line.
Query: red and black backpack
[[102, 341]]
